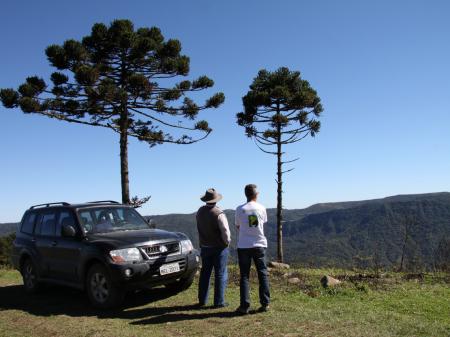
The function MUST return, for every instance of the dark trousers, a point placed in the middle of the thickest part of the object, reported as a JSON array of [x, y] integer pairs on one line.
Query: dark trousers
[[245, 256], [213, 258]]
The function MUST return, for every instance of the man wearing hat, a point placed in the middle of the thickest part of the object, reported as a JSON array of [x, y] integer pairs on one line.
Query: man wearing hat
[[214, 236]]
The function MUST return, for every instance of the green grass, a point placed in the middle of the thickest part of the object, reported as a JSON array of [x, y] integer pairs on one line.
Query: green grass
[[387, 306]]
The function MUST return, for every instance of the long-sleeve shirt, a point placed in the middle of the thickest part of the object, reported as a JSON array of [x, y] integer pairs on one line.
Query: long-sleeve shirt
[[224, 228]]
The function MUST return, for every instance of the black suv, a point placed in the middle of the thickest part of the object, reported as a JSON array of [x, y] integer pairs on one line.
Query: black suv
[[103, 247]]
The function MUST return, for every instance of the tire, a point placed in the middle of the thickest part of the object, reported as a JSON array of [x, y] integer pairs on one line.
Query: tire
[[30, 277], [182, 284], [102, 293]]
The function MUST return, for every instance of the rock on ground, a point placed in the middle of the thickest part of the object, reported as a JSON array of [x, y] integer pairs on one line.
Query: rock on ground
[[294, 280], [328, 281], [278, 265]]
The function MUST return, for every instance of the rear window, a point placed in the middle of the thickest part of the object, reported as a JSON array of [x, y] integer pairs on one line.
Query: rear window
[[28, 223]]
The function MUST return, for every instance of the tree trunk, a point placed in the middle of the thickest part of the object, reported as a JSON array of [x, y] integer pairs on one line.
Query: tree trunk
[[279, 206], [123, 124], [279, 195], [124, 157]]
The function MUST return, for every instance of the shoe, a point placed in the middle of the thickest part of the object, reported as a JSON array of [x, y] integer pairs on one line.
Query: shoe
[[242, 311], [264, 308], [200, 305], [223, 305]]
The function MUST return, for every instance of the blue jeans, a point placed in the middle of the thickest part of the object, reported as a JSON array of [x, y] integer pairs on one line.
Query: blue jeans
[[213, 258], [245, 256]]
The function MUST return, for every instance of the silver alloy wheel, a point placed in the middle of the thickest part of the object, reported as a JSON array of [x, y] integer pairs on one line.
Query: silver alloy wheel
[[29, 276], [99, 287]]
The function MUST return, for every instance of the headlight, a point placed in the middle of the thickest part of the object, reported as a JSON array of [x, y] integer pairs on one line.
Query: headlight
[[186, 246], [125, 255]]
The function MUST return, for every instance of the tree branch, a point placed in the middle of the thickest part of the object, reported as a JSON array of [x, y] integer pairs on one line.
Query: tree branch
[[292, 169], [296, 140], [178, 141], [290, 161], [265, 151], [71, 120], [161, 121]]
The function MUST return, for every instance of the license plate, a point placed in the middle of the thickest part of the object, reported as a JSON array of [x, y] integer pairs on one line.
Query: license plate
[[169, 268]]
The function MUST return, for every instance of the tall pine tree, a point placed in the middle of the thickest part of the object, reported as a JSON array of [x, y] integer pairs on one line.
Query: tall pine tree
[[121, 79], [279, 109]]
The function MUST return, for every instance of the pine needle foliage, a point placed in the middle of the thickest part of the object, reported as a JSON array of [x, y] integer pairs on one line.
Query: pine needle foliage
[[131, 81]]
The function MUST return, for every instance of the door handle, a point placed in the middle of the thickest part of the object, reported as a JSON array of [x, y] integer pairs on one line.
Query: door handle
[[54, 243]]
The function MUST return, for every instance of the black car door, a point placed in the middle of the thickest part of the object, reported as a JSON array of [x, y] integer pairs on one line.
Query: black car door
[[66, 250], [45, 240]]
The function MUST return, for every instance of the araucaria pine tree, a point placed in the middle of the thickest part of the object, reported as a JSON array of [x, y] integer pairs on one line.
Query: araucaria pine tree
[[279, 109], [121, 79]]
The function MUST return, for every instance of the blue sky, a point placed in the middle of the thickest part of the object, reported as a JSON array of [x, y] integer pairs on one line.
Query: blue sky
[[381, 68]]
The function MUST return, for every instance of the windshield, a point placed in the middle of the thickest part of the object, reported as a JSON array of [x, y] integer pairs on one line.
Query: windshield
[[110, 219]]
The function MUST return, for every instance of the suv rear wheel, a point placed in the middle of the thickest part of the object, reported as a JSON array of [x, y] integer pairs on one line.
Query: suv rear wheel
[[101, 291], [29, 276]]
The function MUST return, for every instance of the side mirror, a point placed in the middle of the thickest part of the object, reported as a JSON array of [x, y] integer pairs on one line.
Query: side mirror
[[151, 223], [68, 231]]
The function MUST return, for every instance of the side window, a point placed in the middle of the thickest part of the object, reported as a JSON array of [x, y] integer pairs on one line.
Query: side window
[[48, 224], [87, 222], [65, 219], [38, 225], [28, 223]]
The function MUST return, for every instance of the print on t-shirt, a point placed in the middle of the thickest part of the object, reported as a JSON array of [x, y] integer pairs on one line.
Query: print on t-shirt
[[253, 220]]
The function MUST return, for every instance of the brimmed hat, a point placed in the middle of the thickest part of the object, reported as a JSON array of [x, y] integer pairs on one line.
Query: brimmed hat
[[211, 196]]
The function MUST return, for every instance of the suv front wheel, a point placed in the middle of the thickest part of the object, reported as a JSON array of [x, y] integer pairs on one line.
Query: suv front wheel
[[101, 291]]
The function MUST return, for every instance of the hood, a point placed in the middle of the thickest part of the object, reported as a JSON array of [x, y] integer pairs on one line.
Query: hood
[[134, 237]]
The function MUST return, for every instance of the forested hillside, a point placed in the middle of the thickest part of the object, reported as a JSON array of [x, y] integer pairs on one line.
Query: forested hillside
[[373, 233], [355, 234], [7, 228], [366, 234]]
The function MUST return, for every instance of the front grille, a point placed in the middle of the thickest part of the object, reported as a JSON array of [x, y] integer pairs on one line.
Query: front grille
[[161, 249]]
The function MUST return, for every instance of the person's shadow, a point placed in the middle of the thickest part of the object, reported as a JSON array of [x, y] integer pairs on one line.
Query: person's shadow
[[172, 316], [56, 300]]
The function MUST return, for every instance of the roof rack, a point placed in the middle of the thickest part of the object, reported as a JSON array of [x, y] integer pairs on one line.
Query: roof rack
[[63, 203], [103, 202]]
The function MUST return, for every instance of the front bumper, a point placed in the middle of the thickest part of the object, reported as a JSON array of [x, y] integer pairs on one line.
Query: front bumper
[[146, 274]]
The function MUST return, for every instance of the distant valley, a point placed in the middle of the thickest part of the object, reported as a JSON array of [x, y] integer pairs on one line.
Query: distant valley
[[347, 234]]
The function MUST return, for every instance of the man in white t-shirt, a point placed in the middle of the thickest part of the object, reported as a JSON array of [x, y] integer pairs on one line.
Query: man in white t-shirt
[[252, 244]]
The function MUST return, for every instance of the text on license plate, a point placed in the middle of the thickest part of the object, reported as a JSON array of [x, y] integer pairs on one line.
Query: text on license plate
[[169, 268]]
